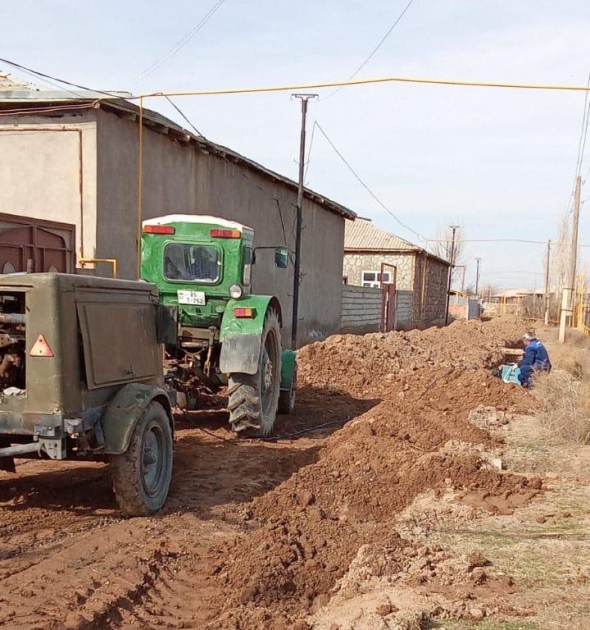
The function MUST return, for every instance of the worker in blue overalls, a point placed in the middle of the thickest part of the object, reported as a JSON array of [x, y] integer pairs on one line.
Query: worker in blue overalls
[[536, 359]]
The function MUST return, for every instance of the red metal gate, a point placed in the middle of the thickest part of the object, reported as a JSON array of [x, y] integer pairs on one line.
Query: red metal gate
[[35, 245], [388, 299]]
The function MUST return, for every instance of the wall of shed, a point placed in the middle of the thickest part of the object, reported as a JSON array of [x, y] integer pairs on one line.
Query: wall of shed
[[181, 179], [48, 171], [434, 291]]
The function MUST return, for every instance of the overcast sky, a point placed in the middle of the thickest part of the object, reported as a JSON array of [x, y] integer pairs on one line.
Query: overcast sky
[[500, 163]]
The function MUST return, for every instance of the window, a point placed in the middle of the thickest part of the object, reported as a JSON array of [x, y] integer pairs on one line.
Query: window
[[247, 276], [373, 278], [191, 263]]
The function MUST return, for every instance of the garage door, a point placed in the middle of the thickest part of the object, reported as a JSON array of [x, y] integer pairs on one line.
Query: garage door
[[35, 245]]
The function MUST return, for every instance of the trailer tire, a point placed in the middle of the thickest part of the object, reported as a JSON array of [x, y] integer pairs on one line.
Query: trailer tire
[[141, 475], [254, 398]]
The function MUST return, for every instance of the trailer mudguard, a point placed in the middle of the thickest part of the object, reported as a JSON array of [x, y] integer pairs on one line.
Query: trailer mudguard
[[241, 336], [123, 412], [287, 368]]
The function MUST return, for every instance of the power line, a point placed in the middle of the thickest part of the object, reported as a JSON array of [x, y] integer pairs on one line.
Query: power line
[[309, 151], [48, 76], [180, 44], [583, 132], [373, 52], [184, 116], [362, 183]]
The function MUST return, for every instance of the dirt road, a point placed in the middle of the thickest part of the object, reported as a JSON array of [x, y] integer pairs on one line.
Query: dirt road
[[271, 534]]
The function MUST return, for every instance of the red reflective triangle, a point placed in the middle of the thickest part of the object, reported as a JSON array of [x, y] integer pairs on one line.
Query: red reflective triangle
[[41, 348]]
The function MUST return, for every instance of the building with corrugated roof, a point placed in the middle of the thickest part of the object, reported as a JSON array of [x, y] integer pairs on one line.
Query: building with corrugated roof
[[374, 257], [75, 186]]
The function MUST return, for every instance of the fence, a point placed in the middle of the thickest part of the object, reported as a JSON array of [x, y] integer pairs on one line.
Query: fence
[[361, 309]]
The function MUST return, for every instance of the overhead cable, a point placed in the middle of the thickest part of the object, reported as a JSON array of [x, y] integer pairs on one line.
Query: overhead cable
[[362, 183], [180, 44], [374, 51]]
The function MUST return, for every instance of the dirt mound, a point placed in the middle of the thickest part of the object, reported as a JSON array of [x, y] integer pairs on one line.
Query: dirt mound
[[312, 526], [370, 364]]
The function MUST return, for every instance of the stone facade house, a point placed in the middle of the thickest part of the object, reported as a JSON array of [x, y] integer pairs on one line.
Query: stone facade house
[[420, 277]]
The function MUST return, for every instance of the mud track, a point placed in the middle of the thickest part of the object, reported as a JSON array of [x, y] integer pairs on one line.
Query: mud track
[[258, 534]]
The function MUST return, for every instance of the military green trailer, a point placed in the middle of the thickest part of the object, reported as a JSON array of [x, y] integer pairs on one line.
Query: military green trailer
[[81, 378]]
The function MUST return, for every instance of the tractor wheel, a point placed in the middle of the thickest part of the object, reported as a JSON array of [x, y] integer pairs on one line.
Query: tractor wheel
[[254, 398], [141, 476], [287, 396]]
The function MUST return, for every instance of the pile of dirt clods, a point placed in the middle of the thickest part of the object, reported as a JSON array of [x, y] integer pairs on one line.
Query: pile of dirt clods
[[339, 514]]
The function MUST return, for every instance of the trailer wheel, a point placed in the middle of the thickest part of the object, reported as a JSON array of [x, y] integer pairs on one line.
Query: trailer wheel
[[287, 396], [254, 398], [141, 476]]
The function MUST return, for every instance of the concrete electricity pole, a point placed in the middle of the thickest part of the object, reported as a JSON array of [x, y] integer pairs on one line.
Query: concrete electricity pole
[[567, 299], [299, 220], [547, 287], [454, 229], [478, 261]]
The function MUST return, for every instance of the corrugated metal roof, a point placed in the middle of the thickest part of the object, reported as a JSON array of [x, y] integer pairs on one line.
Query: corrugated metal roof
[[363, 235], [20, 97], [9, 83]]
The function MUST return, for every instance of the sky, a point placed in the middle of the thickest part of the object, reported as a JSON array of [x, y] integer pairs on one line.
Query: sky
[[500, 163]]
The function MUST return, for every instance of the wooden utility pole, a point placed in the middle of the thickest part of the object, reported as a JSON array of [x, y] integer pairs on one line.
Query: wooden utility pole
[[299, 219], [547, 287], [567, 299], [454, 229]]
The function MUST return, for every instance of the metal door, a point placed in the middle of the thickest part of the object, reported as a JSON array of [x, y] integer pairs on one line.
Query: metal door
[[388, 299], [35, 245]]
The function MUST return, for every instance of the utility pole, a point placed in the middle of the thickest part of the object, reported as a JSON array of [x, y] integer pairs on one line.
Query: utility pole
[[547, 287], [567, 299], [454, 229], [299, 220], [478, 261]]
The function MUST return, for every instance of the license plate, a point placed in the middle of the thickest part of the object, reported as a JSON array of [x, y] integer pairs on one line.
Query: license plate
[[194, 298]]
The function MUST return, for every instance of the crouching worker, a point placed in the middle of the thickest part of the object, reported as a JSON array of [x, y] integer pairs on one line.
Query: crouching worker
[[536, 359]]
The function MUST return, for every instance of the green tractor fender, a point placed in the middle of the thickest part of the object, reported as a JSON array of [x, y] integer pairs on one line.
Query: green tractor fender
[[241, 337], [125, 410], [288, 366]]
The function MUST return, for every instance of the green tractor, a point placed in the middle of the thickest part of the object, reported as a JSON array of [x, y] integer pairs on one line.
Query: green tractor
[[222, 335]]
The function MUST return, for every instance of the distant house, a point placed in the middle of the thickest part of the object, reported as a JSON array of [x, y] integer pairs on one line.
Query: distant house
[[373, 257]]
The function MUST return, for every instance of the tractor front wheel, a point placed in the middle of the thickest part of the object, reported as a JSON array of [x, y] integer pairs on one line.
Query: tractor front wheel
[[254, 398]]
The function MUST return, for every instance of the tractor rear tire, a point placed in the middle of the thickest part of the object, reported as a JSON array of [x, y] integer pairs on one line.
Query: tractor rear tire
[[141, 475], [254, 398]]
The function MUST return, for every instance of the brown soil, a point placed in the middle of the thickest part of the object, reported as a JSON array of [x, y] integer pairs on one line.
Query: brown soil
[[263, 534]]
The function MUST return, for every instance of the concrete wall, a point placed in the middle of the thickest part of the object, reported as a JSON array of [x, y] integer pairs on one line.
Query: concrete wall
[[361, 309], [404, 310], [433, 308], [182, 179], [48, 171]]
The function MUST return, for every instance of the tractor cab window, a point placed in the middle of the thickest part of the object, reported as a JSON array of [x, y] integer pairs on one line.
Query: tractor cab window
[[191, 263], [247, 266]]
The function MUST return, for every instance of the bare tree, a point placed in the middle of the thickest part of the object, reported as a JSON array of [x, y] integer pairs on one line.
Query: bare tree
[[443, 248]]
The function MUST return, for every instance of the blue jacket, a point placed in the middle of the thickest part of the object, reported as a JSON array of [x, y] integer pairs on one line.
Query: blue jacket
[[536, 356]]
